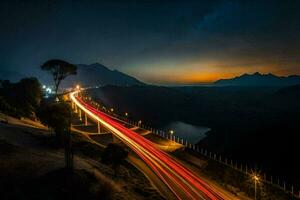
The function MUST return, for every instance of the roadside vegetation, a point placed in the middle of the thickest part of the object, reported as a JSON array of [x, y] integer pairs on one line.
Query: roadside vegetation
[[20, 99]]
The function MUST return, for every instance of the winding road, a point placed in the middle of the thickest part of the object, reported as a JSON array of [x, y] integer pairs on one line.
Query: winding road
[[183, 182]]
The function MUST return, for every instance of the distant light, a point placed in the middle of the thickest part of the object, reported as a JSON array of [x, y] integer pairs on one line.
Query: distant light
[[112, 110], [77, 87], [171, 132], [44, 86], [126, 114], [48, 90], [140, 121]]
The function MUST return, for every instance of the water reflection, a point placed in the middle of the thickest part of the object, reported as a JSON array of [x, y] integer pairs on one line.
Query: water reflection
[[187, 131]]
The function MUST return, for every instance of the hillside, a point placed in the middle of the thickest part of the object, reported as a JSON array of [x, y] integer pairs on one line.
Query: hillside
[[239, 118], [258, 79], [97, 74]]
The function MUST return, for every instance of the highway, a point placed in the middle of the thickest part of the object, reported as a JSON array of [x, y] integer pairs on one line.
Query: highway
[[183, 183]]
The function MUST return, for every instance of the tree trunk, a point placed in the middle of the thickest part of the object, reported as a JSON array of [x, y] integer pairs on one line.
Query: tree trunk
[[68, 150]]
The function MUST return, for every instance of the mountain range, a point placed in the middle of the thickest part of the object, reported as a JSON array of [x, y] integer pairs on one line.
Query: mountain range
[[258, 79], [97, 74], [87, 75]]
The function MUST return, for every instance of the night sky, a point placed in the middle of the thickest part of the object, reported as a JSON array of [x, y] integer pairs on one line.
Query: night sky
[[161, 42]]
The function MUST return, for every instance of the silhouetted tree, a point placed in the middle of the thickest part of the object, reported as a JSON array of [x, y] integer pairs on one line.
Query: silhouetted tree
[[24, 96], [60, 70], [58, 116], [114, 154]]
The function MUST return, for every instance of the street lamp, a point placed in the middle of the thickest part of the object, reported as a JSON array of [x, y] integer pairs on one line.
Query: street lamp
[[256, 179], [112, 110], [171, 134], [77, 87], [126, 114]]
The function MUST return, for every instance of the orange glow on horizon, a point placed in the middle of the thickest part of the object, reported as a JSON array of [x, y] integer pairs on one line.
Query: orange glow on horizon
[[203, 73], [191, 78]]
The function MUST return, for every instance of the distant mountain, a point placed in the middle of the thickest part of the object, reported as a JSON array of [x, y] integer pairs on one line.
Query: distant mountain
[[258, 79], [10, 75], [97, 74]]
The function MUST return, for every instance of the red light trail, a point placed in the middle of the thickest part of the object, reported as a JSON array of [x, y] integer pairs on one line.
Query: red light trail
[[184, 183]]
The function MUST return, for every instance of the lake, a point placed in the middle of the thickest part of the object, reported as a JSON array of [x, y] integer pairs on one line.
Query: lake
[[187, 131]]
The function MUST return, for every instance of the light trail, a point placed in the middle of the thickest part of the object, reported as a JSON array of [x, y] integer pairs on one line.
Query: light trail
[[181, 181]]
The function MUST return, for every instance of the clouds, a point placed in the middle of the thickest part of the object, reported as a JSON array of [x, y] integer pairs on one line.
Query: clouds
[[141, 37]]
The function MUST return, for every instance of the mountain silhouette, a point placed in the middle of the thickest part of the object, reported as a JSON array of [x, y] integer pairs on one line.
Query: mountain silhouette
[[97, 74], [258, 79]]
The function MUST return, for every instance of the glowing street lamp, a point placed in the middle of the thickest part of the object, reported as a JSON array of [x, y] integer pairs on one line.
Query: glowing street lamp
[[126, 114], [77, 87], [256, 179], [112, 110]]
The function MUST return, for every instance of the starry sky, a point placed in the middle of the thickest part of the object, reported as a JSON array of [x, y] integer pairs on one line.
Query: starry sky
[[157, 41]]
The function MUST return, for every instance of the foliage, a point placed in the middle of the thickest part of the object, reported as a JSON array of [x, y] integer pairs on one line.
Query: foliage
[[21, 98], [59, 69], [114, 154], [55, 115]]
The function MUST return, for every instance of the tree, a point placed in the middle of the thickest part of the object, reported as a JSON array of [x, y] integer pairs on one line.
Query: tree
[[60, 70], [55, 115], [58, 116], [24, 96], [114, 154]]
